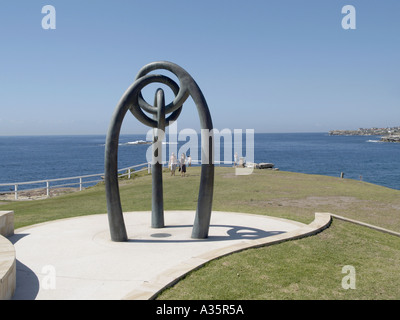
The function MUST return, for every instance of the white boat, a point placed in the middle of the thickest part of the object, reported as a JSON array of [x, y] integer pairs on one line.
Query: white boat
[[139, 142]]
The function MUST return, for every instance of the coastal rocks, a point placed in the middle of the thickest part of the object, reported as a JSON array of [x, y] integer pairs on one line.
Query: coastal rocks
[[262, 165], [265, 165], [391, 138]]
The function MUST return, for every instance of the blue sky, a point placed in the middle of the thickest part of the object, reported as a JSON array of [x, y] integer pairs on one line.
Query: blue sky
[[271, 66]]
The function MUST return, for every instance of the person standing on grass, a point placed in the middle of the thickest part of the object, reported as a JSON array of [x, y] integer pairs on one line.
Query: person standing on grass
[[172, 163], [189, 160], [182, 164], [235, 160]]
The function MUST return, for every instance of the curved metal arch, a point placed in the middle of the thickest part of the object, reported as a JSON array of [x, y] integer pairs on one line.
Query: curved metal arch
[[188, 87]]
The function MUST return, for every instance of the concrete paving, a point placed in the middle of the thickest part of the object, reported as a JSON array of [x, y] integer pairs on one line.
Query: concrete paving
[[75, 258]]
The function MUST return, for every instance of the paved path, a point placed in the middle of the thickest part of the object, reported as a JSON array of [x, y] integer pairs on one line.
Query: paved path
[[75, 258]]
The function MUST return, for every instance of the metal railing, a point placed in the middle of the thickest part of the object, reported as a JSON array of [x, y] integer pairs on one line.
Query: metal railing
[[48, 183], [68, 182]]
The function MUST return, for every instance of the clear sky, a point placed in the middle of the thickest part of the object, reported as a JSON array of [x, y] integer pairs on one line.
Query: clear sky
[[271, 66]]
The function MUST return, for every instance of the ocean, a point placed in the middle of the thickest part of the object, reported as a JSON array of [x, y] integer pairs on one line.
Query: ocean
[[31, 158]]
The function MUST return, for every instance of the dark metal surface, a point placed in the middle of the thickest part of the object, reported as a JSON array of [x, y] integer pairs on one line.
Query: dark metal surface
[[157, 203], [132, 100]]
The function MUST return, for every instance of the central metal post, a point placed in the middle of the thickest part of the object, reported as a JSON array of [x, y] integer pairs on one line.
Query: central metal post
[[157, 208]]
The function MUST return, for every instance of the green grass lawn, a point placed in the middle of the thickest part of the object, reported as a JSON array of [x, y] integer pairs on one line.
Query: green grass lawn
[[309, 268]]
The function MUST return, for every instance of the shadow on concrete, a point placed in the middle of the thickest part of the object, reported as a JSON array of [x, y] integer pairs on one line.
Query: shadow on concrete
[[234, 233], [16, 237], [27, 287]]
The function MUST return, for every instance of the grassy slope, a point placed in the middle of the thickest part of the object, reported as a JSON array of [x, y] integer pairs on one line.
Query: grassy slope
[[301, 269], [310, 268]]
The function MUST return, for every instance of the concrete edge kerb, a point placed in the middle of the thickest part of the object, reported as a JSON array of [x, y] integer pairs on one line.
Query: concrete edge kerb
[[151, 289], [8, 272]]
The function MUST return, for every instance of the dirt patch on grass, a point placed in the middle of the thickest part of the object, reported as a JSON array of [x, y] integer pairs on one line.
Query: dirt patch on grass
[[339, 202], [331, 201], [378, 213]]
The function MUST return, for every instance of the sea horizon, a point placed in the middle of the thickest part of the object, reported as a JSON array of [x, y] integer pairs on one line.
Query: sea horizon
[[122, 134], [32, 158]]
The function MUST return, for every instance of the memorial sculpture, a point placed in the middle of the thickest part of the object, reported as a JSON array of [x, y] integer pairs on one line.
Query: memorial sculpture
[[133, 101]]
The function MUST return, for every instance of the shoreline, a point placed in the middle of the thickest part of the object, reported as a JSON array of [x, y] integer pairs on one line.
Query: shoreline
[[36, 194]]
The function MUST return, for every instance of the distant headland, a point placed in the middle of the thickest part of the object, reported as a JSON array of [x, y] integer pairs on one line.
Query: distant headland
[[390, 134]]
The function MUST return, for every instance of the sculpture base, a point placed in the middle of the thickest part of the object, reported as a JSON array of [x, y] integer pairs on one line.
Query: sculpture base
[[86, 264]]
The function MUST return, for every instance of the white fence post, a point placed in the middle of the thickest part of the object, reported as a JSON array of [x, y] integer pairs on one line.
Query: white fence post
[[81, 182]]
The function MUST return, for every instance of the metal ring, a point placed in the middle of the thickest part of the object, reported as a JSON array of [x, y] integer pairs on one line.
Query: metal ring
[[136, 108], [180, 96]]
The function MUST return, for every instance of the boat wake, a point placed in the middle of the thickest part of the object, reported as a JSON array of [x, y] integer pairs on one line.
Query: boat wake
[[373, 141]]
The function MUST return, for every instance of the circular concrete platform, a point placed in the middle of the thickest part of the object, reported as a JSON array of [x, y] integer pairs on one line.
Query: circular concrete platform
[[75, 258]]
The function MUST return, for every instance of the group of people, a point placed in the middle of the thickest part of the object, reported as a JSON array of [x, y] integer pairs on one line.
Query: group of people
[[173, 164]]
